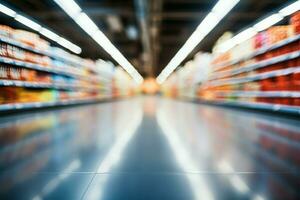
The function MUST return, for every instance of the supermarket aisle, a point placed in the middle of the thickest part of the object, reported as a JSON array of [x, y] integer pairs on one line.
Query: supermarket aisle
[[149, 148]]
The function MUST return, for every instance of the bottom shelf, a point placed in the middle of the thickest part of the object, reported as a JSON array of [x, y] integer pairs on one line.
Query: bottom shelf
[[295, 110], [264, 106], [23, 106]]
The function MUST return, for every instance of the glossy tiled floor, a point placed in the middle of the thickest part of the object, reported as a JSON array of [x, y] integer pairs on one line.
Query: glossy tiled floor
[[149, 148]]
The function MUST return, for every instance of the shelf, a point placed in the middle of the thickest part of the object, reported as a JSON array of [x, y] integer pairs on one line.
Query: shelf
[[256, 77], [35, 85], [38, 67], [259, 52], [257, 65], [62, 71], [260, 106], [40, 85], [29, 48], [22, 106], [249, 94]]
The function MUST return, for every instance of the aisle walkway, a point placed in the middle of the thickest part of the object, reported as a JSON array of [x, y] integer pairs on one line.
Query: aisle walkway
[[149, 148]]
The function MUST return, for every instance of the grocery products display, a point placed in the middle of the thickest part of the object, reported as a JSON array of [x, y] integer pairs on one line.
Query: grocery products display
[[35, 74], [262, 72], [150, 100]]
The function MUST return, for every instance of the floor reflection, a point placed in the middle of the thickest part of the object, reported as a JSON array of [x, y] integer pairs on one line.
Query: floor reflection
[[45, 148], [257, 155], [149, 148]]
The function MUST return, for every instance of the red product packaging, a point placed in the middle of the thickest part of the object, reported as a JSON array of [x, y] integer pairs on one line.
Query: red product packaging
[[260, 40], [8, 94], [295, 21], [296, 101], [283, 86], [296, 76]]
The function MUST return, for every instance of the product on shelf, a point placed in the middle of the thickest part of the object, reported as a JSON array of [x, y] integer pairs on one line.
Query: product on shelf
[[31, 71], [295, 21], [263, 70]]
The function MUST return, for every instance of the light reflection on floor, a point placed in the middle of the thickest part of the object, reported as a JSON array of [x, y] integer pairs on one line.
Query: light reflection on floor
[[149, 148]]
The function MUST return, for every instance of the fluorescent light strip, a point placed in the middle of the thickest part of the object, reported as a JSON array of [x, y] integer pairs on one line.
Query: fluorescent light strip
[[70, 7], [76, 13], [42, 30], [219, 11], [49, 34], [27, 22], [241, 37], [260, 26], [267, 22], [288, 10], [7, 11]]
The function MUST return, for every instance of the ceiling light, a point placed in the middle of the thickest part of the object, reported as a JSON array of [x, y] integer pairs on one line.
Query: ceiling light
[[221, 9], [239, 38], [42, 30], [49, 34], [75, 12], [7, 11], [288, 10], [69, 45], [27, 22], [86, 23], [267, 22], [260, 26], [70, 7], [244, 35], [226, 46]]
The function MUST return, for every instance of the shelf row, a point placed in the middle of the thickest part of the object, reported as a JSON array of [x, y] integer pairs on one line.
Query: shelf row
[[21, 106], [262, 72], [249, 94], [40, 85], [258, 52], [255, 66], [41, 52], [260, 106], [255, 77], [63, 71]]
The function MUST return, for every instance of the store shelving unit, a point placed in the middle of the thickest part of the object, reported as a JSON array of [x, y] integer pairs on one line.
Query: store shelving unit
[[258, 52], [266, 78], [255, 66], [230, 76], [63, 75], [259, 94], [37, 51], [256, 77], [40, 85], [294, 110]]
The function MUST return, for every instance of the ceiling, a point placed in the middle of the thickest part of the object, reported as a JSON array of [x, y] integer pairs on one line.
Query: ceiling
[[147, 32]]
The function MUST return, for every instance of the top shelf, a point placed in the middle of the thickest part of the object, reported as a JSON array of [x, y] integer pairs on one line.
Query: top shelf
[[41, 52], [258, 52]]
